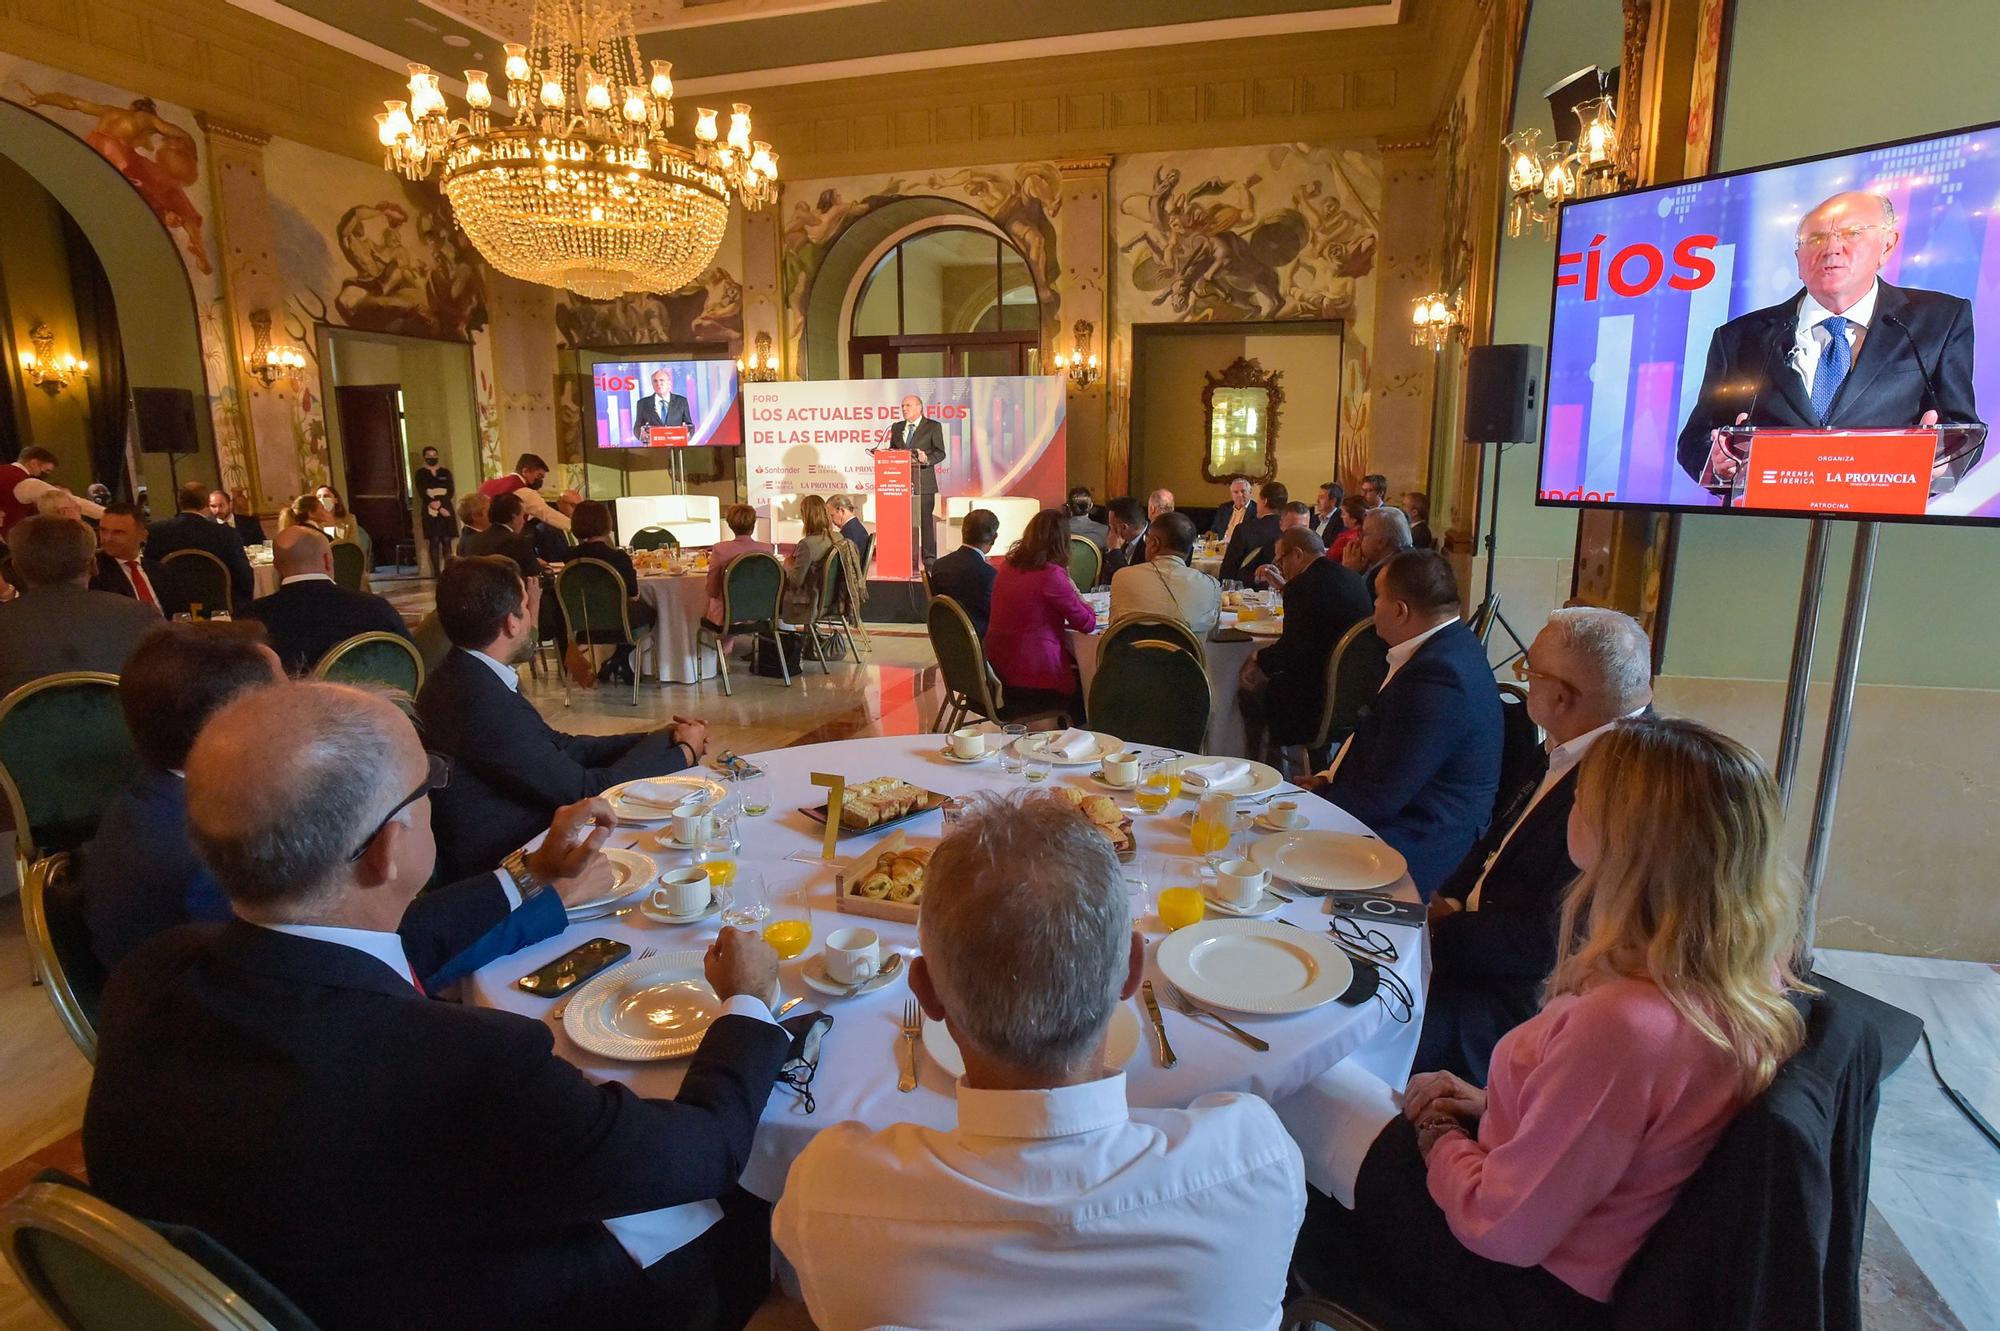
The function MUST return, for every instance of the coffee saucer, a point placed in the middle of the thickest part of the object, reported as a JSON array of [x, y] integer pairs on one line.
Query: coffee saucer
[[1264, 905], [1101, 779], [813, 972], [949, 756], [658, 916]]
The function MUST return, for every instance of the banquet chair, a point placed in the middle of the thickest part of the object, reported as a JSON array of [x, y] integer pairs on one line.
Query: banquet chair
[[197, 580], [970, 686], [93, 1267], [1151, 686], [1354, 673], [59, 948], [374, 658], [64, 755], [654, 538], [350, 564], [1522, 757], [433, 643], [1085, 559], [595, 613], [827, 625], [751, 588]]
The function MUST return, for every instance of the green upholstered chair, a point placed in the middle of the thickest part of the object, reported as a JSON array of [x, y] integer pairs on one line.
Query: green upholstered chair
[[970, 686], [374, 658], [95, 1268], [595, 612], [827, 624], [350, 564], [1085, 560], [654, 538], [752, 586], [433, 643], [196, 578], [1354, 673], [59, 948], [64, 755], [1151, 685]]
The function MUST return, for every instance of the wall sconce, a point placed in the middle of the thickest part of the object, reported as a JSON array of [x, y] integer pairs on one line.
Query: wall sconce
[[271, 361], [1081, 362], [1434, 318], [46, 370], [1524, 178], [1597, 148], [762, 365]]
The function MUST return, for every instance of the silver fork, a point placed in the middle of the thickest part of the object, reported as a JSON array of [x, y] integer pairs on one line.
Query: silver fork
[[907, 1081], [1194, 1009], [649, 953]]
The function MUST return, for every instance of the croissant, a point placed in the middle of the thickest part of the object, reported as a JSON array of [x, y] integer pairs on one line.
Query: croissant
[[906, 893], [875, 886]]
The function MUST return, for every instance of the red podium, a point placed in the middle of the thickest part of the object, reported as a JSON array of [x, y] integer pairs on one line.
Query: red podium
[[895, 516], [667, 436]]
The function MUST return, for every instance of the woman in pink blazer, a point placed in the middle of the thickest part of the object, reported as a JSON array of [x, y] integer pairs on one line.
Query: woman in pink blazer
[[1033, 602]]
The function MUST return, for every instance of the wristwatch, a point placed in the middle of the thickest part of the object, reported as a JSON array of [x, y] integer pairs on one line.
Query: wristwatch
[[526, 880]]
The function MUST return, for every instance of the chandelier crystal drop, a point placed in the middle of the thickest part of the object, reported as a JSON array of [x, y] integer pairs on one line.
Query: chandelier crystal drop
[[567, 178]]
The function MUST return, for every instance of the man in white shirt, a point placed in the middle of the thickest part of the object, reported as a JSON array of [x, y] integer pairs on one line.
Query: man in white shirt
[[1052, 1203], [1166, 586]]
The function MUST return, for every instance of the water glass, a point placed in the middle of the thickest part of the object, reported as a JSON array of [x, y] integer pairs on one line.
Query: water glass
[[755, 791], [744, 905], [1036, 769], [1011, 758]]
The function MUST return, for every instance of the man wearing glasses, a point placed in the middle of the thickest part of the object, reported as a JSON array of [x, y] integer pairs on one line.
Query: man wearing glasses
[[1846, 351]]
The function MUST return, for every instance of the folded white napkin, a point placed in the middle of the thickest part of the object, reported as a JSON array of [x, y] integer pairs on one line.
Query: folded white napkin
[[1070, 744], [1222, 774], [659, 794]]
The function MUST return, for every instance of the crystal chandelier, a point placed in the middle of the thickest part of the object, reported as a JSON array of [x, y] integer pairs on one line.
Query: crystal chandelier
[[571, 182]]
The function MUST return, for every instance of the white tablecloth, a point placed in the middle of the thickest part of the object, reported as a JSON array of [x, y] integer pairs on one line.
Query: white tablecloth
[[678, 604], [857, 1073], [264, 576], [1224, 661]]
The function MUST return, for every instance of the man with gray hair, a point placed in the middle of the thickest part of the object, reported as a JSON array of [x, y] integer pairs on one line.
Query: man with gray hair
[[310, 613], [1385, 533], [1493, 921], [282, 1083], [59, 623], [1052, 1202]]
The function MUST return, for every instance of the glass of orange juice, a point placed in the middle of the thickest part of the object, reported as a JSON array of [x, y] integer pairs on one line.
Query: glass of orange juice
[[1181, 906], [1214, 825], [789, 930]]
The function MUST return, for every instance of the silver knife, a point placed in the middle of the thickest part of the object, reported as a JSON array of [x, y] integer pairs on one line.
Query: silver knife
[[1167, 1058]]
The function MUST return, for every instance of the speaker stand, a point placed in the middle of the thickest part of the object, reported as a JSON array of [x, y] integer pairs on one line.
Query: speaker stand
[[1488, 614]]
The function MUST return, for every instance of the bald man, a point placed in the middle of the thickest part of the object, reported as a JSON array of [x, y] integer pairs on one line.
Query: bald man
[[282, 1082], [310, 612], [1847, 350], [924, 438]]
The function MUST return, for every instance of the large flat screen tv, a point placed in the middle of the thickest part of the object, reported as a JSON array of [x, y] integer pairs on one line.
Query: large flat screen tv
[[699, 396], [1692, 365]]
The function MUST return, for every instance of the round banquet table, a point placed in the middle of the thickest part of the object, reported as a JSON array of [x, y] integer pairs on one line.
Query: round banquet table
[[858, 1063], [1224, 662], [678, 602], [264, 575]]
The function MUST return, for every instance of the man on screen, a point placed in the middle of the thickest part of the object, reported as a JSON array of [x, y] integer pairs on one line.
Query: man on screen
[[662, 406], [1848, 351]]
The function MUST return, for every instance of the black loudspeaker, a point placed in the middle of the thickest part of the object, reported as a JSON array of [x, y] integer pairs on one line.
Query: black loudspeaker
[[166, 420], [1503, 389]]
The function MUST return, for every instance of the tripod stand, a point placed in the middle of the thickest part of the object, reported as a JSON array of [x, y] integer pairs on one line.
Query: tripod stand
[[1488, 614]]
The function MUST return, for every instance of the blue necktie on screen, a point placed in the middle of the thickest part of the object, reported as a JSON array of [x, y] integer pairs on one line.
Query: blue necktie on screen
[[1834, 361]]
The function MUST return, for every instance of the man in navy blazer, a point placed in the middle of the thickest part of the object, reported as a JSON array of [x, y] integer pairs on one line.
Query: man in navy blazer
[[510, 768], [282, 1083], [192, 529], [966, 575], [310, 612], [1282, 689], [1493, 923], [1423, 764]]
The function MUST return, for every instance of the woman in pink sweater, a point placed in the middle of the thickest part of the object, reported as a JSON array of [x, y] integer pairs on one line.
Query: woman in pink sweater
[[1033, 602], [1521, 1204]]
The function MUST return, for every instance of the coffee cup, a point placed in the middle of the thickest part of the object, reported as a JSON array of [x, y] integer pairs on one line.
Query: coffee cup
[[1241, 884], [853, 956], [1121, 769], [1285, 814], [692, 825], [682, 892], [969, 742]]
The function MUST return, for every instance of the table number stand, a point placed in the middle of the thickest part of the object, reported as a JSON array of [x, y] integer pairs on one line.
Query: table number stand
[[836, 796]]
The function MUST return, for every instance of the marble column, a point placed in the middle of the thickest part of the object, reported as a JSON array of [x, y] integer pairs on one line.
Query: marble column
[[1083, 240], [1403, 377]]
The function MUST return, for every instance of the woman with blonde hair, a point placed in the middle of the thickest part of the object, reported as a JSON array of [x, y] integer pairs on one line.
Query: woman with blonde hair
[[1668, 1011]]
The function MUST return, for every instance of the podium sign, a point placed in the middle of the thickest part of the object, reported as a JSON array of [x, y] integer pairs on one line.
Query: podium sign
[[1885, 472], [667, 436], [895, 539]]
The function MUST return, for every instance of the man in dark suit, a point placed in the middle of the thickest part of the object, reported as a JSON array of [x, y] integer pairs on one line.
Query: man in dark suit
[[1385, 533], [1282, 689], [1256, 539], [192, 529], [1125, 525], [966, 575], [1493, 922], [1422, 766], [223, 508], [58, 623], [1325, 519], [1228, 516], [924, 438], [662, 406], [121, 556], [1847, 350], [282, 1083], [510, 768], [310, 612], [844, 510], [506, 519]]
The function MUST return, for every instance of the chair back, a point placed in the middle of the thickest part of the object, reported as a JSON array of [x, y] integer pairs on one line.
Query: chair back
[[832, 579], [751, 587], [1085, 559], [374, 658], [433, 643], [652, 538], [350, 564], [64, 756], [1354, 674], [95, 1268], [1151, 686], [1522, 757], [192, 578], [59, 948], [961, 658], [592, 595]]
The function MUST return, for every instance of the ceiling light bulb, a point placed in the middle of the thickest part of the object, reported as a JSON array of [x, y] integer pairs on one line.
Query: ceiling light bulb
[[477, 94], [663, 79], [704, 124]]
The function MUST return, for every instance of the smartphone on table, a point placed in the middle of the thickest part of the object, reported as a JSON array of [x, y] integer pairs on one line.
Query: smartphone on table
[[575, 966]]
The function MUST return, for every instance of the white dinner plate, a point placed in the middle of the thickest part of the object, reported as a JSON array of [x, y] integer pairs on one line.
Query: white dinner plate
[[1262, 628], [1120, 1042], [1331, 861], [644, 1010], [645, 811], [1262, 777], [1030, 746], [1255, 966], [630, 872]]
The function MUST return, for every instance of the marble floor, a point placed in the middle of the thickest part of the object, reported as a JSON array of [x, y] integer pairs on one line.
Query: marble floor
[[1934, 1235]]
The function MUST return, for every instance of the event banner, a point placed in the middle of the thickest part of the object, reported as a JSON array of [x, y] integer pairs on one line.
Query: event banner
[[1679, 309], [639, 401], [1003, 435]]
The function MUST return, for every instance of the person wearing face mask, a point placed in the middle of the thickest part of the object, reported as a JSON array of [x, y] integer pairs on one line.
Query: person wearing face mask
[[435, 488]]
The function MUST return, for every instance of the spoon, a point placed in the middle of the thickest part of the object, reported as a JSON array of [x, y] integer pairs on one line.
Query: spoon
[[890, 969]]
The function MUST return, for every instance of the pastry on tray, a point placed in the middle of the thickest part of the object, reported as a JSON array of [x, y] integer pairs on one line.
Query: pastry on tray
[[884, 799], [1111, 822]]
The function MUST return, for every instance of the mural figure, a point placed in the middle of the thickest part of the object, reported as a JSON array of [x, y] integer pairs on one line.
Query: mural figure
[[1024, 208], [407, 276], [158, 157], [814, 224], [1208, 254], [710, 310]]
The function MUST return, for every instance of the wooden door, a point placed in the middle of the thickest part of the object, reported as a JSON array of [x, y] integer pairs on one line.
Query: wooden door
[[371, 434]]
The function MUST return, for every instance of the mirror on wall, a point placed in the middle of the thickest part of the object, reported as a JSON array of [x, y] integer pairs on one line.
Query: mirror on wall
[[1242, 405]]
